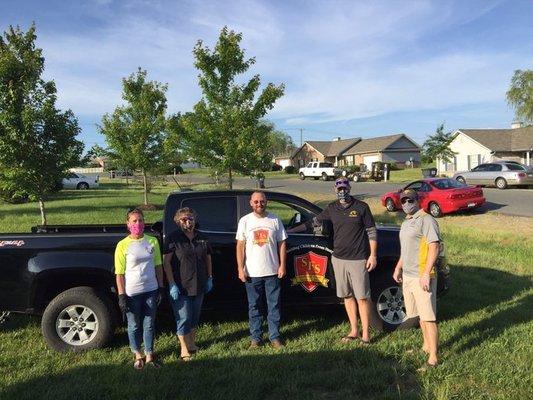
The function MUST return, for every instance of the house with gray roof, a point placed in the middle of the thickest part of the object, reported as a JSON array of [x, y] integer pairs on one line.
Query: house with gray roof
[[324, 151], [477, 146], [398, 149]]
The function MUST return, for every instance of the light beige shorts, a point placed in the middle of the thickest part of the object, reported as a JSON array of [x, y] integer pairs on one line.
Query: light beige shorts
[[419, 302], [351, 278]]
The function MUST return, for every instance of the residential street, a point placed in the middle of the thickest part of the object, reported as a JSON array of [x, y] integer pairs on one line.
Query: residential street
[[510, 201]]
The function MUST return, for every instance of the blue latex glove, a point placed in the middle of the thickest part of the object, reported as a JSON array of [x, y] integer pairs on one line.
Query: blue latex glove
[[174, 291], [208, 285]]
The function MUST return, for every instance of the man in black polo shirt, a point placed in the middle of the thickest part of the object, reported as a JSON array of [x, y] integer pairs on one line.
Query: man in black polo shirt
[[354, 255]]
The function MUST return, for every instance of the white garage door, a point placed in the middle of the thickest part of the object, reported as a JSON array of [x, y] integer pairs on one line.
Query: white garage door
[[368, 160]]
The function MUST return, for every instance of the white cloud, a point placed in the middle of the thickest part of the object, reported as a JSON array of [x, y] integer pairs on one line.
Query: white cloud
[[339, 60]]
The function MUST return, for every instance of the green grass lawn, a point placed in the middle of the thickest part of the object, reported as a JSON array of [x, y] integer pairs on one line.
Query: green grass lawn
[[408, 174], [485, 325]]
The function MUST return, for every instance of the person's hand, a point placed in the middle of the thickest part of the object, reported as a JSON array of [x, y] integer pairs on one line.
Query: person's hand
[[397, 275], [243, 276], [371, 263], [123, 303], [159, 296], [424, 282], [281, 271], [174, 291], [208, 285]]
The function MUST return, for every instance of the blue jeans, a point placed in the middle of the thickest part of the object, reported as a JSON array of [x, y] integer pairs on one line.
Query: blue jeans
[[141, 317], [257, 290], [187, 312]]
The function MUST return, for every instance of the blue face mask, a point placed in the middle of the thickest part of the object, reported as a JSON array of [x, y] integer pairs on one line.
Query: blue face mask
[[343, 194]]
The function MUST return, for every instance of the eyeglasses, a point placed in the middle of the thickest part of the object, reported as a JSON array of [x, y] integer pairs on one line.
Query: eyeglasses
[[185, 219], [259, 201], [407, 200]]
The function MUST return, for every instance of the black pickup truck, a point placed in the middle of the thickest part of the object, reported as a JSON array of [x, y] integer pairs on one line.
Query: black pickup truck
[[65, 272]]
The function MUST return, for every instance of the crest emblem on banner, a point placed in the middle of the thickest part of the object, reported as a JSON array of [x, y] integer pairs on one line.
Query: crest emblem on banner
[[260, 237], [310, 271]]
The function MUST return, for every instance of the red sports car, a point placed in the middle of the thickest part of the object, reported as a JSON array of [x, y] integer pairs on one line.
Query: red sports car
[[438, 196]]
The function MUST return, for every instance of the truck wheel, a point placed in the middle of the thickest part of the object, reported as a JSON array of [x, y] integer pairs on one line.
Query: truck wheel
[[460, 179], [78, 319], [82, 186], [389, 306], [324, 176], [302, 176], [356, 178]]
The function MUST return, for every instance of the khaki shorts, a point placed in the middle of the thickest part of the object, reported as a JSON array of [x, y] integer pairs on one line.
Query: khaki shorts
[[419, 302], [351, 277]]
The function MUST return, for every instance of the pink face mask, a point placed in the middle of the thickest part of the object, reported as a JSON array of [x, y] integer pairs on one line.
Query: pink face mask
[[136, 229]]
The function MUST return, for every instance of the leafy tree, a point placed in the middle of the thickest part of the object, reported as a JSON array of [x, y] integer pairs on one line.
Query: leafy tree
[[37, 141], [520, 95], [95, 151], [281, 142], [437, 145], [224, 131], [135, 132]]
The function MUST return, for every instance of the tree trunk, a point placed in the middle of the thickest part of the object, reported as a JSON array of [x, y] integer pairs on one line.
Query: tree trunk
[[44, 222], [145, 188], [230, 180]]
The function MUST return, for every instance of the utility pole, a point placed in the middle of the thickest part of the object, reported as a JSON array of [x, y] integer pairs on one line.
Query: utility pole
[[301, 137]]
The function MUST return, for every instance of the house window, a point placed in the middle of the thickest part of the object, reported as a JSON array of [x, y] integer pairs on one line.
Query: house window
[[451, 165], [350, 160], [474, 160]]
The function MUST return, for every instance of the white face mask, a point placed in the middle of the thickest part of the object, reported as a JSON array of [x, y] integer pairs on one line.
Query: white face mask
[[410, 208]]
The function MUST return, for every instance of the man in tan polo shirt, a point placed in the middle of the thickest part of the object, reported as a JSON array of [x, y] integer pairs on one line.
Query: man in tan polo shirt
[[420, 244]]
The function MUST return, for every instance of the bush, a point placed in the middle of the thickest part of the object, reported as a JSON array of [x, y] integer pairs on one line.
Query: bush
[[350, 169], [276, 167], [289, 169], [394, 167]]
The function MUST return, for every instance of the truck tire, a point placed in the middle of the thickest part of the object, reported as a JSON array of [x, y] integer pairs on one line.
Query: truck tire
[[387, 306], [78, 319], [325, 176], [302, 176], [356, 178]]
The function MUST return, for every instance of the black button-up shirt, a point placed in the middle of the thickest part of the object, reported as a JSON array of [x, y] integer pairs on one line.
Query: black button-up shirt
[[189, 261]]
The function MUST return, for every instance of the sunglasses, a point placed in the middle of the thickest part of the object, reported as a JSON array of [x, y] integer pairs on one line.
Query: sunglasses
[[259, 202], [185, 219], [342, 183], [407, 200]]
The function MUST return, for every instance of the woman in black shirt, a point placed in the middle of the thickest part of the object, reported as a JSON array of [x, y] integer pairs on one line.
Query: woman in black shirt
[[188, 267]]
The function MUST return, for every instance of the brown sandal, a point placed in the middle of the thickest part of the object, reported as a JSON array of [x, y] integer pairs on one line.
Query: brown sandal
[[138, 364]]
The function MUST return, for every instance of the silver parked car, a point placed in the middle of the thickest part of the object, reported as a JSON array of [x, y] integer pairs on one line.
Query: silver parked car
[[79, 181], [498, 174]]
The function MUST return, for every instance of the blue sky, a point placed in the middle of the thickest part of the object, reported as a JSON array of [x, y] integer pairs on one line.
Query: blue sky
[[351, 68]]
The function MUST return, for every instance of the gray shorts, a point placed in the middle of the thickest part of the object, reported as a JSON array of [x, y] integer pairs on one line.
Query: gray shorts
[[351, 277]]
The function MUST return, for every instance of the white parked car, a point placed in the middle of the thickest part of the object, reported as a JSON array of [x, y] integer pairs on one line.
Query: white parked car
[[317, 170], [79, 181]]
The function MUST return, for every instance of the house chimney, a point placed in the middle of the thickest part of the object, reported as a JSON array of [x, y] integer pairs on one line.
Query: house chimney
[[517, 124]]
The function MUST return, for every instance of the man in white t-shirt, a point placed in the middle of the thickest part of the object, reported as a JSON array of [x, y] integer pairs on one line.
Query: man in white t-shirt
[[261, 252]]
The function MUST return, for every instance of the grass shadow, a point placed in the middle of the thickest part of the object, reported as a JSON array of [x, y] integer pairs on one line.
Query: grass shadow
[[262, 374], [481, 288], [517, 311]]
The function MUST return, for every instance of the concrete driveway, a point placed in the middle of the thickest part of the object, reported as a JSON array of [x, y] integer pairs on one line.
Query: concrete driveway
[[509, 201]]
